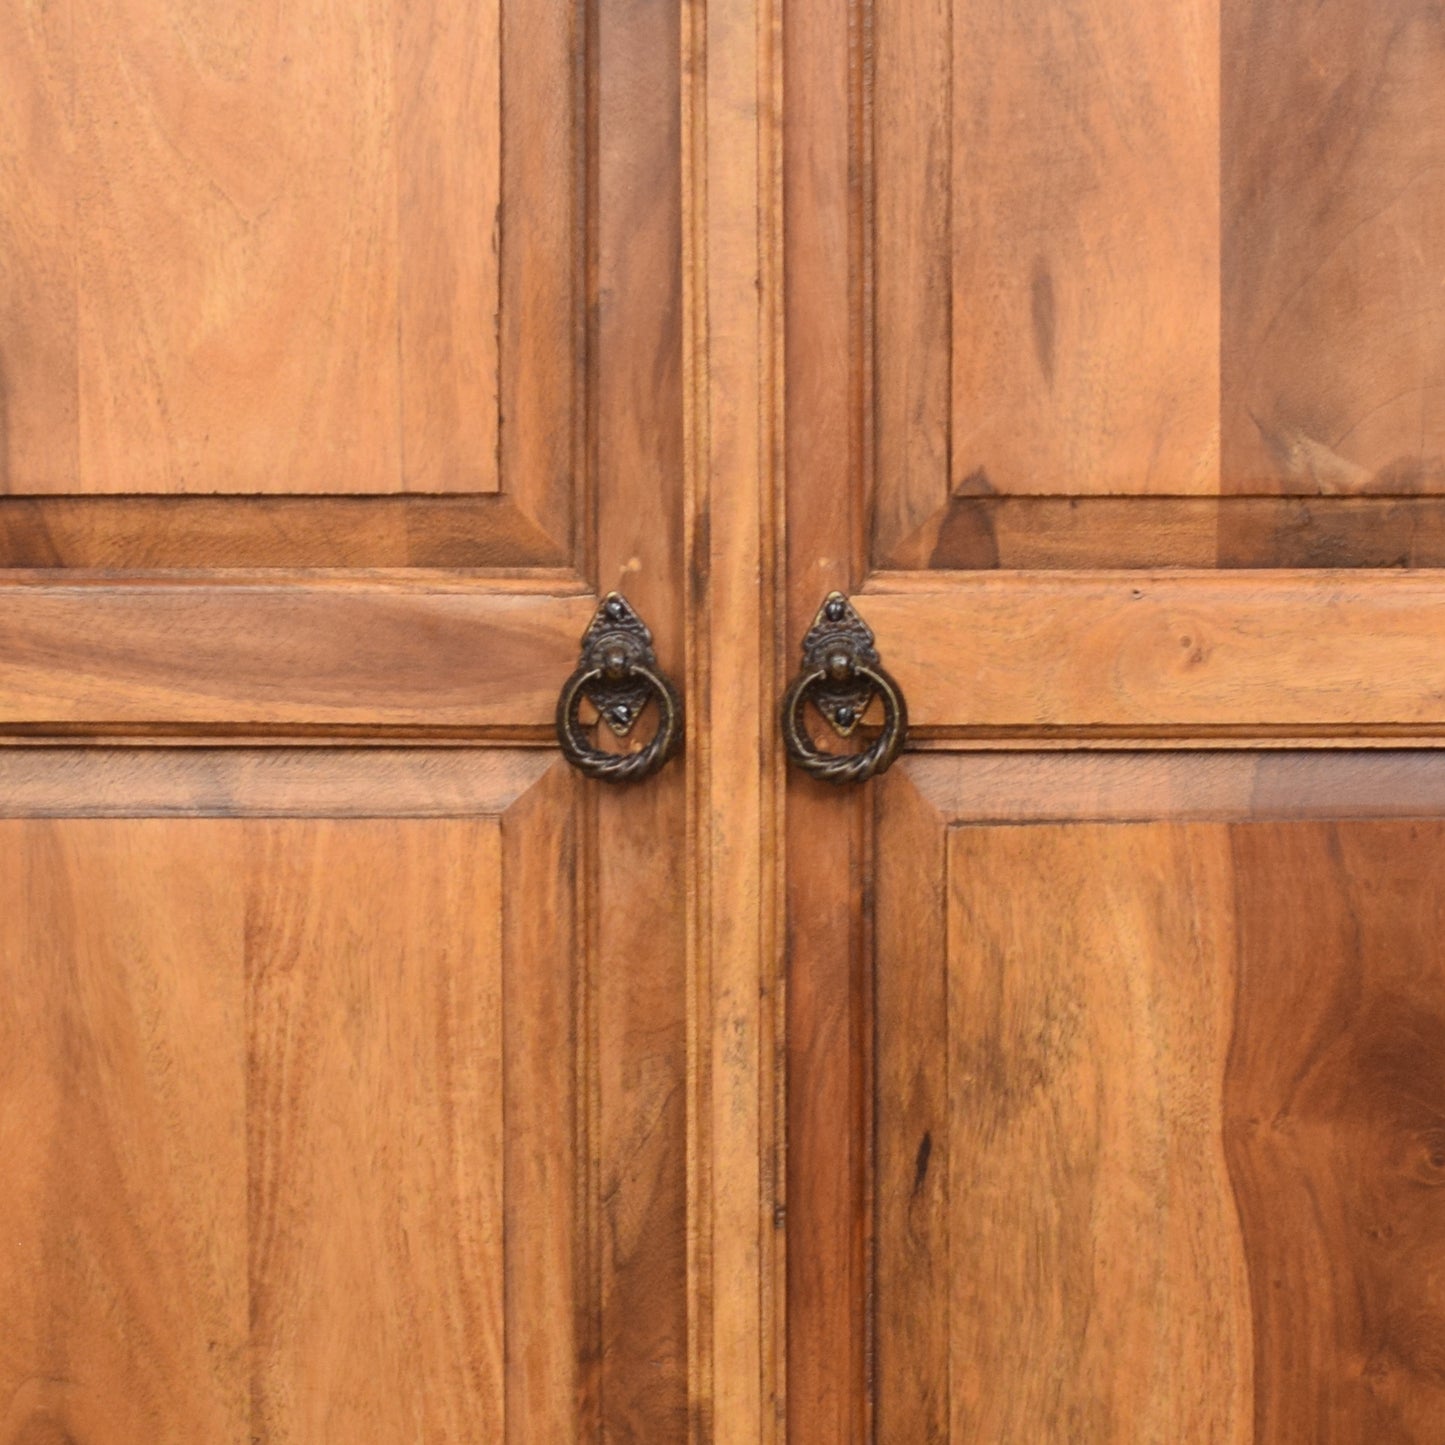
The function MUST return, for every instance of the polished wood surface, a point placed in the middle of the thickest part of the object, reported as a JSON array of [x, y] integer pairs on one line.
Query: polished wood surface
[[1111, 395], [263, 250], [1084, 241], [1088, 1002], [1175, 252], [342, 371], [1255, 533], [1163, 650], [735, 1023], [1334, 201], [283, 1159], [347, 359], [279, 652], [1154, 1142]]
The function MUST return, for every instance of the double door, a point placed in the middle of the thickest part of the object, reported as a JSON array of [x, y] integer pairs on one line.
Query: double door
[[368, 1072]]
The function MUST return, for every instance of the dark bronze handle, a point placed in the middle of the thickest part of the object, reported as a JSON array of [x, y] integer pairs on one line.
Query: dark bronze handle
[[841, 675], [618, 675]]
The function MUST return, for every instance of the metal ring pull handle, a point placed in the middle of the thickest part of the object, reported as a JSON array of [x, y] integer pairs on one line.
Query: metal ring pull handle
[[618, 675], [841, 675]]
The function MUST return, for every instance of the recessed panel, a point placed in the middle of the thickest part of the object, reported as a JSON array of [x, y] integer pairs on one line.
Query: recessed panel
[[1158, 1117], [289, 1103], [1183, 255], [285, 248]]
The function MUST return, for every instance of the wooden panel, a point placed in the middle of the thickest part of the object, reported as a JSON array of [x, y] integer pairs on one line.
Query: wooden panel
[[640, 1381], [374, 1129], [262, 250], [290, 1117], [1085, 247], [124, 1300], [1139, 651], [733, 1006], [1095, 1257], [272, 782], [371, 652], [1224, 786], [1333, 289], [149, 533], [1155, 1145], [913, 110], [828, 414], [1080, 533], [1336, 1138], [911, 1282]]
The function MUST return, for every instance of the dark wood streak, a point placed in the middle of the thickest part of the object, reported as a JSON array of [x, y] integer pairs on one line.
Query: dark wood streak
[[1335, 1127], [1332, 364]]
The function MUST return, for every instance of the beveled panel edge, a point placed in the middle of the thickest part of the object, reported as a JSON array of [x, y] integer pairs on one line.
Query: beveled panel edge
[[1081, 533], [265, 782], [969, 789], [188, 533]]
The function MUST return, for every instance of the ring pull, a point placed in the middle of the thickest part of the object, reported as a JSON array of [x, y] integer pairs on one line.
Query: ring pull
[[841, 675], [618, 675]]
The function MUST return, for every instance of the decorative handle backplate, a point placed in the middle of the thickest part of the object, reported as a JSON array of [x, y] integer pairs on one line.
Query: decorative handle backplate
[[841, 676], [618, 675]]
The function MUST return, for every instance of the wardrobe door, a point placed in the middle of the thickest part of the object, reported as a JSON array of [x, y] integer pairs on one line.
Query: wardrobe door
[[344, 1023]]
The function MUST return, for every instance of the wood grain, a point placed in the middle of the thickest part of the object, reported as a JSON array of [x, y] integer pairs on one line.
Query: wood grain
[[180, 533], [1095, 1256], [374, 1130], [1085, 533], [547, 1150], [1336, 1136], [733, 276], [266, 782], [637, 1377], [1333, 161], [367, 652], [911, 1284], [1168, 651], [1163, 1139], [912, 224], [1194, 784], [291, 1119], [449, 207], [259, 252], [825, 469], [124, 1301], [1085, 246]]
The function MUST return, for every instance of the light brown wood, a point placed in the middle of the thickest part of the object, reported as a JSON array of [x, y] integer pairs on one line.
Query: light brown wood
[[125, 1302], [346, 359], [1109, 347], [1085, 248], [1155, 1142], [277, 652], [1094, 1253], [912, 154], [271, 782], [144, 533], [1334, 200], [339, 445], [1336, 1122], [264, 251], [271, 1073], [374, 1130], [735, 984], [1159, 650], [912, 1270], [1149, 533], [638, 865], [828, 438]]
